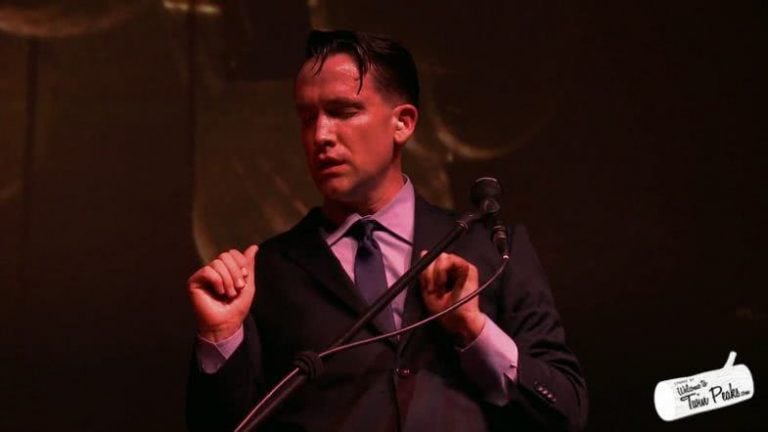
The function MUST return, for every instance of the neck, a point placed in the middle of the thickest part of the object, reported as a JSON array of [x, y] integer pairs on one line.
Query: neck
[[370, 203]]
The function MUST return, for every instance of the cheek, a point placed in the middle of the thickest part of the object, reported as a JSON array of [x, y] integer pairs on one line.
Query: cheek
[[377, 143]]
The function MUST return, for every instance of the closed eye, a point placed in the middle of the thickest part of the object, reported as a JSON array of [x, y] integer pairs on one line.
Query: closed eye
[[343, 113], [343, 108]]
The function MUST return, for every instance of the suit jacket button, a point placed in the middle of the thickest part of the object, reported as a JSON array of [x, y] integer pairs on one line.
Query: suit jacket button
[[403, 372]]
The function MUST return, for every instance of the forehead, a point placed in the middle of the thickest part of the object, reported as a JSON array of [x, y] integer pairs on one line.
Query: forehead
[[337, 77]]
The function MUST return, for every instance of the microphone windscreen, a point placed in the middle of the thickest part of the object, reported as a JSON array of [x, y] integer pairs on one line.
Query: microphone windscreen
[[484, 191]]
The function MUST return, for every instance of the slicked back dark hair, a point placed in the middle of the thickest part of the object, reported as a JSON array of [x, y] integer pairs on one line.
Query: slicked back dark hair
[[394, 71]]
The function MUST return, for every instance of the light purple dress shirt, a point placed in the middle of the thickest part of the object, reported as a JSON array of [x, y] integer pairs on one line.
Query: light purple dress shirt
[[490, 360]]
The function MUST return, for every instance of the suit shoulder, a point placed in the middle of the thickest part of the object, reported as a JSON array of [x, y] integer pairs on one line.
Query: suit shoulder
[[424, 206], [297, 234]]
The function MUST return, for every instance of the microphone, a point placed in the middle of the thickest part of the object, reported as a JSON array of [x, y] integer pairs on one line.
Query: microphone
[[484, 194]]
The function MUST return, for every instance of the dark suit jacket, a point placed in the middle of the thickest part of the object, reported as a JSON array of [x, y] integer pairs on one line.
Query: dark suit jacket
[[304, 300]]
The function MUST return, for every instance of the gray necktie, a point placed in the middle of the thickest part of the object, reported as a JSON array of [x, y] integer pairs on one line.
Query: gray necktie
[[370, 278]]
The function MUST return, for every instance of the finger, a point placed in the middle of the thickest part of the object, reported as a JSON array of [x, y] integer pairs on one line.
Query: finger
[[472, 275], [235, 270], [239, 258], [209, 279], [442, 267], [472, 278], [229, 285], [250, 254], [250, 261], [459, 270], [425, 279], [458, 275]]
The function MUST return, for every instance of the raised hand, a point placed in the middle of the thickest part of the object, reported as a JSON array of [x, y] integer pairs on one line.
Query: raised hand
[[221, 293], [448, 279]]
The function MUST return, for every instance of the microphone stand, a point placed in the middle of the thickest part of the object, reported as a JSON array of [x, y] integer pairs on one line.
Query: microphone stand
[[308, 365]]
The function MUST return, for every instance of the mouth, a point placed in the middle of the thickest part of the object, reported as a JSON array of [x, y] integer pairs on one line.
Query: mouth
[[327, 165]]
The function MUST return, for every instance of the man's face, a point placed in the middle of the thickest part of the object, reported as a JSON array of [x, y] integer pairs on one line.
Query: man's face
[[348, 136]]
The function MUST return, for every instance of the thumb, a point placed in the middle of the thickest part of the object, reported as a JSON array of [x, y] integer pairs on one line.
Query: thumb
[[250, 254]]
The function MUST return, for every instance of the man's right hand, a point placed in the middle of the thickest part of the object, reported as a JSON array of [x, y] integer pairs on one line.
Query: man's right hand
[[222, 292]]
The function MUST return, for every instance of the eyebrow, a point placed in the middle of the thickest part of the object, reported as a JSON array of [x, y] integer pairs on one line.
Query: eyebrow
[[337, 102], [342, 102]]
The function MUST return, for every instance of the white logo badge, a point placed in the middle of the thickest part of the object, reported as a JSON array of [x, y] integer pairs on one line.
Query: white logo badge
[[681, 397]]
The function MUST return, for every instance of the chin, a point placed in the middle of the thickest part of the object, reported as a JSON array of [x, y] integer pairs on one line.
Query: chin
[[335, 189]]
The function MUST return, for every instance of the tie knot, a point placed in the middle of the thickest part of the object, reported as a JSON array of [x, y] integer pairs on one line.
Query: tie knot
[[363, 229]]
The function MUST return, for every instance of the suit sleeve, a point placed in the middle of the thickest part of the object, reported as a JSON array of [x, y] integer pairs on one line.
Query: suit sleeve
[[550, 391], [220, 400]]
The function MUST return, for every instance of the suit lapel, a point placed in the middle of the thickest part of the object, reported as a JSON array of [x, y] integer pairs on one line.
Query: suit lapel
[[309, 250]]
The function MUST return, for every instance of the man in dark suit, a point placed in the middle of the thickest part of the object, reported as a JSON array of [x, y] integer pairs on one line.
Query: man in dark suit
[[498, 362]]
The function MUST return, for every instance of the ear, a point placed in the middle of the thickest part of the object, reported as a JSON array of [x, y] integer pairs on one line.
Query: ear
[[405, 117]]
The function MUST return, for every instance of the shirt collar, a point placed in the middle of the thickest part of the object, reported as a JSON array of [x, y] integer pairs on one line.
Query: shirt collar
[[396, 217]]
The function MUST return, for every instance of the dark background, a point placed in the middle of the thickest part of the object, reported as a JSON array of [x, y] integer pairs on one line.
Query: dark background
[[628, 135]]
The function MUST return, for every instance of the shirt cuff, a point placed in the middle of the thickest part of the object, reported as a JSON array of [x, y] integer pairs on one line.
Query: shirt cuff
[[490, 361], [211, 356]]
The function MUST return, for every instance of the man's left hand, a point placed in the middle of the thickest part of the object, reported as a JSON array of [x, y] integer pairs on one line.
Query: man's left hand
[[448, 279]]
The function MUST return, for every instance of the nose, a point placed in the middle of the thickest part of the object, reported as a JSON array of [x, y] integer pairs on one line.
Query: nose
[[325, 133]]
